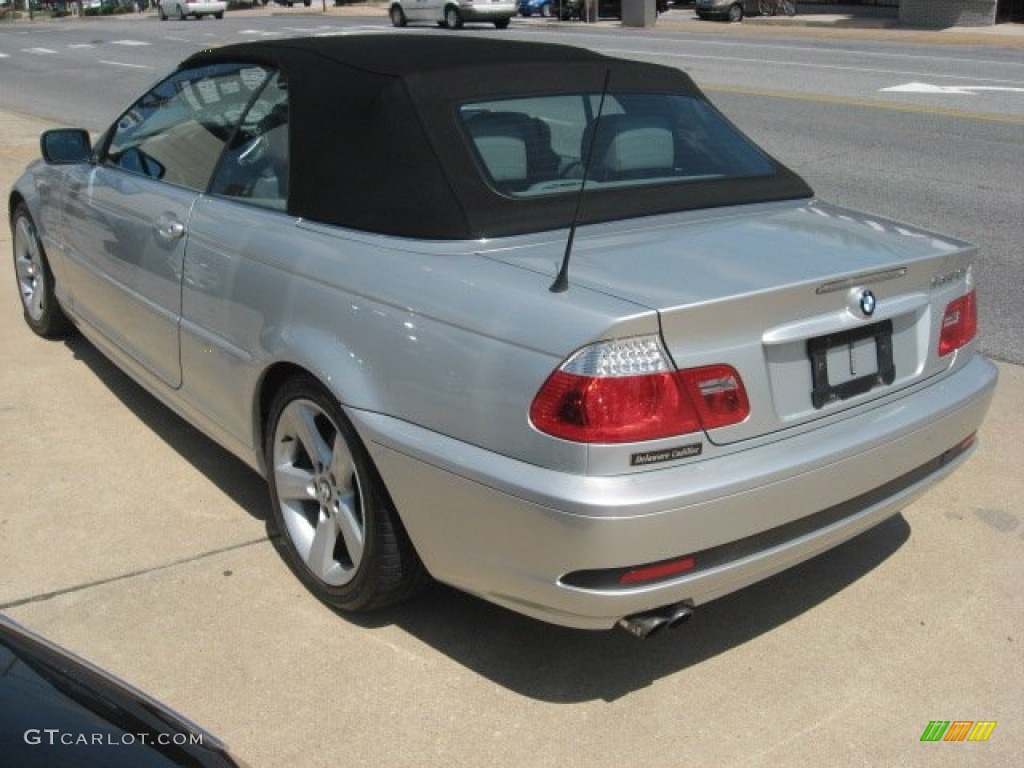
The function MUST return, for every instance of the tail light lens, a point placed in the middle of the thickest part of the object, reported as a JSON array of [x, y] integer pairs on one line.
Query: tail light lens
[[959, 323], [626, 391]]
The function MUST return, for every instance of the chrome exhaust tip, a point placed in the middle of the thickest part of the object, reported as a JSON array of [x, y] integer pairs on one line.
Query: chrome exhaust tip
[[644, 625]]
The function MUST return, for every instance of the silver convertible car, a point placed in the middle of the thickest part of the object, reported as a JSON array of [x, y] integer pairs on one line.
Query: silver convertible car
[[573, 344]]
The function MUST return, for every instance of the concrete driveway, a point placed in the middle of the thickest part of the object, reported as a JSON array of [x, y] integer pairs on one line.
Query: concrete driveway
[[131, 539]]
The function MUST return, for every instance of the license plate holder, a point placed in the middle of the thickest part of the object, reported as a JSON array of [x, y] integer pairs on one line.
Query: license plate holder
[[824, 392]]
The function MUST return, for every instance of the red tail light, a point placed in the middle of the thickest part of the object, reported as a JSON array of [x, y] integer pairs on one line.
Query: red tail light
[[959, 324], [625, 391]]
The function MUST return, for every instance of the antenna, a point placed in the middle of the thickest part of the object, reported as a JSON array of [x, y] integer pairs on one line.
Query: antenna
[[561, 284]]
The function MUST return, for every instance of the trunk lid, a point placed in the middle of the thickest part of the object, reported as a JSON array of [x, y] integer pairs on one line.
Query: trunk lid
[[819, 309]]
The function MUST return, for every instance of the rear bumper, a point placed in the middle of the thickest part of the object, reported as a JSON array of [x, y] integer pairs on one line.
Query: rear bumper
[[510, 532]]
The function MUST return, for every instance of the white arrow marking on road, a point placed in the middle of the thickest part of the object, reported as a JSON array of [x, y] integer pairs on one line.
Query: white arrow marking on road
[[957, 90]]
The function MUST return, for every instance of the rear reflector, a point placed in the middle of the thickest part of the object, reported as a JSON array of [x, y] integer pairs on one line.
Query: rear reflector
[[959, 323], [659, 571]]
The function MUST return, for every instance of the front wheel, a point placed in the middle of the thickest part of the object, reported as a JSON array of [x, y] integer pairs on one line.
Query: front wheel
[[502, 23], [736, 12], [397, 16], [35, 280], [452, 17], [339, 530]]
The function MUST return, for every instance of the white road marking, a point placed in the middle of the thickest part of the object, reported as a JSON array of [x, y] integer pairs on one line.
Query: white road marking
[[81, 45], [122, 64], [128, 42], [41, 51], [956, 90]]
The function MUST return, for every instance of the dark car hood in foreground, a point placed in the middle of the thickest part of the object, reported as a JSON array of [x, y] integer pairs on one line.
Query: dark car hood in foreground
[[58, 710]]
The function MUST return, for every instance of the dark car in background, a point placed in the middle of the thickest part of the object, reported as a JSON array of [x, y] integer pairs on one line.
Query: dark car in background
[[732, 10]]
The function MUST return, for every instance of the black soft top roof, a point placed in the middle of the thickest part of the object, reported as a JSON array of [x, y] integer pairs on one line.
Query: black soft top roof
[[376, 146]]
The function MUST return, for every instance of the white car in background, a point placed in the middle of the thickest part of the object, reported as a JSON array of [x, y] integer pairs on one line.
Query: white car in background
[[182, 9], [452, 13]]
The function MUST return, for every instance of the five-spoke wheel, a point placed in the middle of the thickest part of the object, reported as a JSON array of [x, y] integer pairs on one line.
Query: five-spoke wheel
[[35, 280], [340, 532]]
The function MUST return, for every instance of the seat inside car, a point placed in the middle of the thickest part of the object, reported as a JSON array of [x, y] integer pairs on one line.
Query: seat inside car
[[632, 147], [515, 148]]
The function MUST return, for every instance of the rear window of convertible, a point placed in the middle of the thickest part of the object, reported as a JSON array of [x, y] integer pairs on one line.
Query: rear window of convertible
[[536, 146]]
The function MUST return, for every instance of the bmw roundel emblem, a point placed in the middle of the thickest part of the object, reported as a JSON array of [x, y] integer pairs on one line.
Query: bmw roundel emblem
[[868, 303]]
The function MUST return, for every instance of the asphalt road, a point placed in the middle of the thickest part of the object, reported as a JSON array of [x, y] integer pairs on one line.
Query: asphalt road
[[130, 538], [925, 131]]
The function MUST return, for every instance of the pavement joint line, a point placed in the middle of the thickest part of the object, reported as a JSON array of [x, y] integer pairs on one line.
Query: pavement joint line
[[867, 104], [42, 598]]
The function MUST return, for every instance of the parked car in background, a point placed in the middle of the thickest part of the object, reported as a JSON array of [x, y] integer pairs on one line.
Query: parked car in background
[[60, 710], [536, 7], [732, 10], [452, 13], [573, 344], [182, 9]]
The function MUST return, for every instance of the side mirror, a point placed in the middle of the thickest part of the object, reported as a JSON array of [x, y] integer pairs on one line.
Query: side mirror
[[65, 146]]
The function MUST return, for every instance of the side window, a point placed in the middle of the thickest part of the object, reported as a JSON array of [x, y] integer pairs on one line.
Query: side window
[[177, 131], [255, 167]]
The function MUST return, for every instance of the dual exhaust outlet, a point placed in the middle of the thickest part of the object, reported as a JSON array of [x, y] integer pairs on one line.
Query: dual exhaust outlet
[[643, 625]]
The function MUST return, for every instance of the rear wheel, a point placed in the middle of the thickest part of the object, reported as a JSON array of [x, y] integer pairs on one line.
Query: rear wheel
[[397, 16], [452, 17], [339, 530], [35, 280], [502, 23]]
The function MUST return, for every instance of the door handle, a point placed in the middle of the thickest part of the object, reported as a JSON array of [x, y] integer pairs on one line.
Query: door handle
[[168, 227]]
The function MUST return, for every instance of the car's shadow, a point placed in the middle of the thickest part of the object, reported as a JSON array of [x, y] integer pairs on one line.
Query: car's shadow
[[561, 665], [535, 659], [240, 483]]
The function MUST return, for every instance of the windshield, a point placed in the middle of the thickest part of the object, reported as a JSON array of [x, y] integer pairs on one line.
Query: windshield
[[535, 146]]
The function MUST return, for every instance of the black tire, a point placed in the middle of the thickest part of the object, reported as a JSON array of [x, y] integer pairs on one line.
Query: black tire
[[736, 12], [397, 16], [339, 531], [161, 14], [36, 286], [502, 23], [452, 17]]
